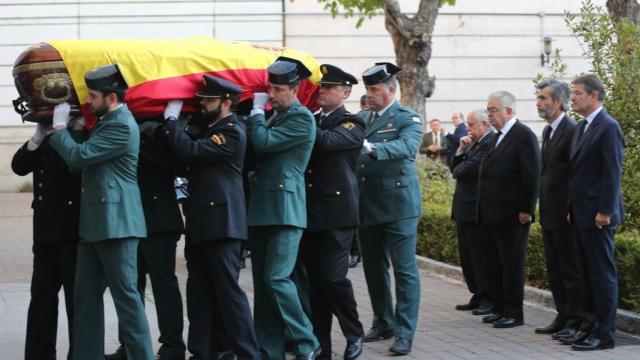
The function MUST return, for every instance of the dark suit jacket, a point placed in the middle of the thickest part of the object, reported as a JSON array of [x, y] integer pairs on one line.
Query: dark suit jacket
[[332, 188], [215, 208], [56, 192], [156, 174], [596, 171], [453, 141], [508, 179], [554, 179], [465, 171]]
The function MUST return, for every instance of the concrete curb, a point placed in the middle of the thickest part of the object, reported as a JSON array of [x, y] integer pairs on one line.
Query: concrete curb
[[626, 321]]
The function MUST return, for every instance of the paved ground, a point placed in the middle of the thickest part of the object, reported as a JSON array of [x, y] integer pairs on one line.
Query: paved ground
[[443, 333]]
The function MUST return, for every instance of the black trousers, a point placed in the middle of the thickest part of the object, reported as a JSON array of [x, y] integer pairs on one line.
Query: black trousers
[[325, 256], [157, 257], [505, 253], [566, 279], [472, 241], [597, 251], [215, 299], [54, 266]]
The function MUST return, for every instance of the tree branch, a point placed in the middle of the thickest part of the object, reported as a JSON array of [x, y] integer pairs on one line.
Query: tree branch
[[426, 7], [395, 18]]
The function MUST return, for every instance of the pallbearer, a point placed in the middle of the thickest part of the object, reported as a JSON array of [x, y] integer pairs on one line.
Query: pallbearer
[[216, 222], [277, 210], [111, 218], [332, 212]]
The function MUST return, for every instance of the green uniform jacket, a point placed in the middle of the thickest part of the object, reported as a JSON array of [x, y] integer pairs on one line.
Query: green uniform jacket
[[389, 187], [276, 189], [110, 205]]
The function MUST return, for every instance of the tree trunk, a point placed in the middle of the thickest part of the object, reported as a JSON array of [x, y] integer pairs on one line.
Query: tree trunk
[[624, 9], [412, 44]]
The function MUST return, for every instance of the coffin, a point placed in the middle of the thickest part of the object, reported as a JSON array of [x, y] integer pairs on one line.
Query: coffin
[[156, 71]]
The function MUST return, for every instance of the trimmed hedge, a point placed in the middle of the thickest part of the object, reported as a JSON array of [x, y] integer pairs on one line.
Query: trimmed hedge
[[437, 237]]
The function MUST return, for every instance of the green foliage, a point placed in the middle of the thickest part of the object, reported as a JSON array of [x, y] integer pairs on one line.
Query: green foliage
[[364, 9], [437, 238], [628, 264], [557, 68]]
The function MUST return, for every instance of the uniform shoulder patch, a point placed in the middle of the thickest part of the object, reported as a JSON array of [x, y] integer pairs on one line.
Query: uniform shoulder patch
[[349, 125], [416, 119], [231, 124], [218, 139]]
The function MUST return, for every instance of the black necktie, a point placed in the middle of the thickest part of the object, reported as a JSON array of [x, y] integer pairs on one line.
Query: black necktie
[[582, 130], [323, 118], [546, 136], [497, 139]]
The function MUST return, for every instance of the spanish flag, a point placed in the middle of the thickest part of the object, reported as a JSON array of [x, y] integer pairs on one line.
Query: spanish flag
[[160, 70]]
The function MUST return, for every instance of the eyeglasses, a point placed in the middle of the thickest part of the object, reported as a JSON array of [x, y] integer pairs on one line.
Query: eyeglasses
[[493, 110]]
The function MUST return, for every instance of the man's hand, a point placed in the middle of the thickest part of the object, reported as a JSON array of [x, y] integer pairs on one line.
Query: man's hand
[[61, 116], [260, 100], [259, 103], [367, 147], [602, 220], [465, 142], [524, 218], [172, 111]]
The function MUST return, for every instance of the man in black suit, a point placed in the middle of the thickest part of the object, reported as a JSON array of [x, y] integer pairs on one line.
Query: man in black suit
[[56, 212], [453, 140], [471, 239], [332, 213], [596, 204], [563, 263], [216, 224], [508, 189]]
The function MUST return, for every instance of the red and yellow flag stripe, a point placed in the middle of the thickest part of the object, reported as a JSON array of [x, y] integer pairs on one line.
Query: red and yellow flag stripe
[[160, 70]]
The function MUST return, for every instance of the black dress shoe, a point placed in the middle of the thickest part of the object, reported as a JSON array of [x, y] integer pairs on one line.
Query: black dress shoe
[[401, 346], [119, 354], [311, 355], [566, 332], [377, 334], [353, 262], [482, 310], [465, 307], [489, 319], [505, 322], [353, 349], [555, 326], [591, 344], [576, 338]]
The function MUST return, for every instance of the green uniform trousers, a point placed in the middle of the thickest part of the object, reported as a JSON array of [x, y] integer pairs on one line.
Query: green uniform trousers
[[157, 257], [278, 314], [111, 263], [393, 242]]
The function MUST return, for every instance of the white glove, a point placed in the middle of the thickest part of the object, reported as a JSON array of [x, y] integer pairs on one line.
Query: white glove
[[172, 111], [61, 115], [367, 147], [260, 100], [42, 130]]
